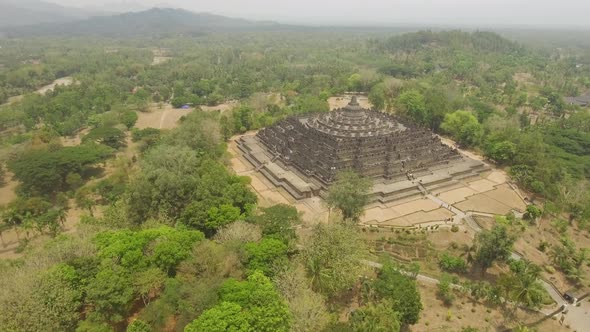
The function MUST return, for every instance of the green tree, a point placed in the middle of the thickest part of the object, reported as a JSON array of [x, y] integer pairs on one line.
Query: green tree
[[379, 317], [109, 136], [377, 96], [502, 152], [412, 104], [129, 119], [109, 294], [278, 221], [401, 291], [224, 317], [532, 212], [264, 308], [139, 326], [521, 285], [493, 245], [349, 194], [267, 256], [45, 172], [445, 290], [569, 259], [463, 126], [333, 256]]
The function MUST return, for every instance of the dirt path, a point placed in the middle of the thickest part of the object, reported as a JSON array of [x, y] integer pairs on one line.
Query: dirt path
[[7, 190]]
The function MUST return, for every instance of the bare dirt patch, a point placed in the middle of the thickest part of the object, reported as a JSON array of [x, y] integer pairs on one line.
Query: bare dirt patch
[[466, 313], [7, 189], [65, 81], [222, 108], [162, 116], [158, 60]]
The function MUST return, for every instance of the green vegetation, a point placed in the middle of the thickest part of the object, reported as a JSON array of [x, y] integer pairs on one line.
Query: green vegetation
[[170, 239], [349, 194], [494, 245]]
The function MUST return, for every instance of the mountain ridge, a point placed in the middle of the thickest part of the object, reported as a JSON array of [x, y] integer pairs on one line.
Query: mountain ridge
[[154, 21], [15, 13]]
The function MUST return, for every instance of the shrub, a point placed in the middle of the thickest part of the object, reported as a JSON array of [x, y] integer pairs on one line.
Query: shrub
[[452, 263]]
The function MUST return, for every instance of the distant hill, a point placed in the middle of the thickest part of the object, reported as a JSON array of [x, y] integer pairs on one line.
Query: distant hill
[[27, 12], [156, 21]]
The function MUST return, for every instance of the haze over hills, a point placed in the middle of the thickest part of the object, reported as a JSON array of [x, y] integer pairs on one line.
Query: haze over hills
[[27, 12], [155, 21]]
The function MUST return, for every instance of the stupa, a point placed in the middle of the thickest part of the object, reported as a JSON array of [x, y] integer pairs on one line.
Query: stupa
[[303, 154]]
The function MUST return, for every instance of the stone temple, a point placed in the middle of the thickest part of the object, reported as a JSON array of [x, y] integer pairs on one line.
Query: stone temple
[[303, 154]]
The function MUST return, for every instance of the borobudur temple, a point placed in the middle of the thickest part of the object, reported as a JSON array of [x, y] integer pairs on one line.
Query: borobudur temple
[[303, 154]]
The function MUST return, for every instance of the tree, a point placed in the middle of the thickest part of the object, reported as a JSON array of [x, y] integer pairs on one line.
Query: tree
[[44, 172], [501, 152], [521, 285], [401, 291], [349, 194], [377, 96], [85, 199], [238, 232], [493, 245], [139, 326], [379, 317], [148, 284], [261, 305], [463, 126], [307, 307], [278, 221], [267, 255], [332, 257], [110, 293], [412, 104], [129, 119], [569, 259], [445, 290], [226, 316], [532, 213], [109, 136]]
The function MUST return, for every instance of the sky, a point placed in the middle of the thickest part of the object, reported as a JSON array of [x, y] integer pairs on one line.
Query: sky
[[380, 12]]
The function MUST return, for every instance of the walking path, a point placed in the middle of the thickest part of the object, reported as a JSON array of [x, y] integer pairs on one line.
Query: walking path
[[469, 221]]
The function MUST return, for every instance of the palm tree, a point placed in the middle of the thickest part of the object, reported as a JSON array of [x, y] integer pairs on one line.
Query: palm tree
[[521, 285]]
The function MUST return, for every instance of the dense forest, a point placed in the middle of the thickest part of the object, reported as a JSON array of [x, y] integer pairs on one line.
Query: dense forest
[[170, 239]]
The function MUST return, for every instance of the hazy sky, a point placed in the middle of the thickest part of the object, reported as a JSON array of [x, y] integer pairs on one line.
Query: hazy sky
[[385, 12]]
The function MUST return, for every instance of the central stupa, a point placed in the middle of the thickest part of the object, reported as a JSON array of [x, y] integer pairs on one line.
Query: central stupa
[[303, 154]]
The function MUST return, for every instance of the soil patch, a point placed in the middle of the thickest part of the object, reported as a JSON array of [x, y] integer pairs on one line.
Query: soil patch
[[162, 116]]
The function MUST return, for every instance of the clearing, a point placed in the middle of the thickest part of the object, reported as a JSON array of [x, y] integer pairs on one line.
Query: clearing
[[65, 81]]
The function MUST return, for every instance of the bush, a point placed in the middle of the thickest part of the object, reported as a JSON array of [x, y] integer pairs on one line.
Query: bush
[[452, 263]]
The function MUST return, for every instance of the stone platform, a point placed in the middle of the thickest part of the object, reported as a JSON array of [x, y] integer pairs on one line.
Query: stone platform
[[449, 174]]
